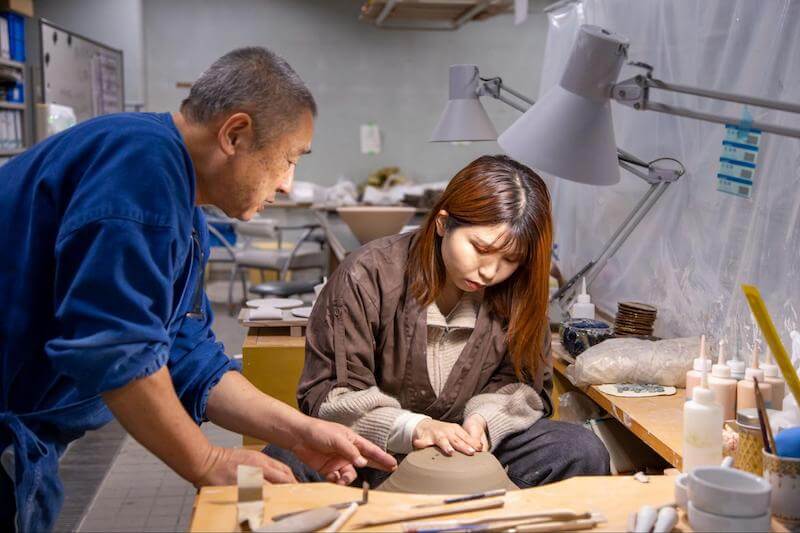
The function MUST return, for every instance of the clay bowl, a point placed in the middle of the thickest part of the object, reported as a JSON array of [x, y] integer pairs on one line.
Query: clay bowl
[[428, 471], [372, 222]]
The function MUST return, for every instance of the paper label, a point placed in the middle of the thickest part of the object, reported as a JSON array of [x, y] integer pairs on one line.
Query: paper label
[[738, 161]]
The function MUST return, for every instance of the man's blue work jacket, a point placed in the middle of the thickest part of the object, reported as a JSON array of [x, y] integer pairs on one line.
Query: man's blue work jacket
[[101, 260]]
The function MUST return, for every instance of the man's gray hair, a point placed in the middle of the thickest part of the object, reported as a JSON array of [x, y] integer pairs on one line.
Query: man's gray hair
[[253, 80]]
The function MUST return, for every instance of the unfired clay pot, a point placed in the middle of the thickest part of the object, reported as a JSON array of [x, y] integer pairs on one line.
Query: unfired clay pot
[[428, 471]]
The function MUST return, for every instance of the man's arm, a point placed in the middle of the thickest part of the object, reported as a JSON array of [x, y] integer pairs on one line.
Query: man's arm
[[151, 412], [332, 449]]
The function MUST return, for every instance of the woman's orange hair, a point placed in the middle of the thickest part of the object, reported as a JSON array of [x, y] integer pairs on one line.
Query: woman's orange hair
[[489, 191]]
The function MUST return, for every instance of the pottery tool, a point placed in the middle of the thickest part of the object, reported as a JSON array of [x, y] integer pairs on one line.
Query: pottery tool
[[767, 328], [466, 498], [456, 509], [492, 523], [645, 519], [344, 516], [763, 419], [305, 521], [572, 525], [338, 506], [667, 519], [250, 498]]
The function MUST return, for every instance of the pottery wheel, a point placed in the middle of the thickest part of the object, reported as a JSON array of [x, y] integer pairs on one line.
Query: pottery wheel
[[428, 471]]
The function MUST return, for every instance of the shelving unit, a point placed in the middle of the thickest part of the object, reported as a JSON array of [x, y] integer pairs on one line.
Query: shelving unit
[[15, 106]]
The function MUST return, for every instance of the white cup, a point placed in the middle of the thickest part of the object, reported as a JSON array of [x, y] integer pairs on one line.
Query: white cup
[[783, 474], [728, 492]]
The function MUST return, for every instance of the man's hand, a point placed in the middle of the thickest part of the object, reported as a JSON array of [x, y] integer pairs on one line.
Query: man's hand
[[445, 436], [475, 425], [222, 463], [333, 450]]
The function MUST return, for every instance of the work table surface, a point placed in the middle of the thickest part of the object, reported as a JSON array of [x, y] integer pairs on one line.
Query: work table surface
[[614, 497]]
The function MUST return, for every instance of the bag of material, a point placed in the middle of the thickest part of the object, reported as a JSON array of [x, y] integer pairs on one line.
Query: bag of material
[[631, 360]]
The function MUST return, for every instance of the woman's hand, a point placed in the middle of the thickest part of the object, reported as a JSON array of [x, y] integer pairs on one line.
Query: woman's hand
[[445, 436], [475, 425]]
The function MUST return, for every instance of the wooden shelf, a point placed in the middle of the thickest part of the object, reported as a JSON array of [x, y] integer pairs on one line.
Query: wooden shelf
[[11, 63], [12, 105], [430, 14]]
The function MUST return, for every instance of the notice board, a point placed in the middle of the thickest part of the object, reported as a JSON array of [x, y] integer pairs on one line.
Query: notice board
[[80, 72]]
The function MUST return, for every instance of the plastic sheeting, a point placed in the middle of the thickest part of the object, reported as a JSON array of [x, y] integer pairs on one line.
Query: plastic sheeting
[[629, 360], [694, 249]]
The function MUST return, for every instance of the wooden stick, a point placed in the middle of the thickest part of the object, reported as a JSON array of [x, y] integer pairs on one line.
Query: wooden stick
[[763, 419], [556, 515], [343, 518], [767, 328], [572, 525], [451, 510]]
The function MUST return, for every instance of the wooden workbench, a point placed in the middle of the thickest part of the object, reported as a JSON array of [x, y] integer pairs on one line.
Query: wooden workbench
[[614, 497], [656, 421]]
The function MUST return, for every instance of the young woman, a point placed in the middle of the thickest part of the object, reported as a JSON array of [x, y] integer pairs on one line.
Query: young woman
[[440, 337]]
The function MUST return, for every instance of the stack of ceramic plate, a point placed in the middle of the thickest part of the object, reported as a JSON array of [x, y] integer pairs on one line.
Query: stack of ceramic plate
[[635, 318]]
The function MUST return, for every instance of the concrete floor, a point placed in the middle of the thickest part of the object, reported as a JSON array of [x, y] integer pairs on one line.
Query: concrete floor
[[114, 484]]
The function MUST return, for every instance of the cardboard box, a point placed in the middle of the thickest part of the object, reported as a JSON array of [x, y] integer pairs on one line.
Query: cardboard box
[[23, 7]]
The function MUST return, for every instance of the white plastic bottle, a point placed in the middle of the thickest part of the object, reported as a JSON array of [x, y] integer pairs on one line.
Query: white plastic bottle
[[694, 376], [772, 375], [746, 391], [723, 385], [583, 306], [702, 428]]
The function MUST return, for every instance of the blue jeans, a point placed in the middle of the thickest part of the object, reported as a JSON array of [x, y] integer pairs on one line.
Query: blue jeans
[[546, 452]]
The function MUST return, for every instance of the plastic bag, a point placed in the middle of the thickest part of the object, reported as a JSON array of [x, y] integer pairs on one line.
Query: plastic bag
[[630, 360], [577, 408]]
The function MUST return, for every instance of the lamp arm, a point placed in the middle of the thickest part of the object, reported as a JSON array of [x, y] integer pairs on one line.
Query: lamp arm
[[635, 92], [494, 87], [659, 179]]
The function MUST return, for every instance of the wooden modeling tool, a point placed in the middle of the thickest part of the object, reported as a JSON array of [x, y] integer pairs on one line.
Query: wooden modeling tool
[[250, 498], [344, 516], [767, 328], [492, 523], [338, 506], [467, 498], [763, 420], [455, 509], [305, 521]]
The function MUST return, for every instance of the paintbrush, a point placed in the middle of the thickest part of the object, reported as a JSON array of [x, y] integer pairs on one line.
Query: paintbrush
[[485, 523], [466, 498], [456, 509], [763, 420]]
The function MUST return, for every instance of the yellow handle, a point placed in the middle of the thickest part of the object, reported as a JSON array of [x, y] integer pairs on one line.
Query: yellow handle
[[773, 340]]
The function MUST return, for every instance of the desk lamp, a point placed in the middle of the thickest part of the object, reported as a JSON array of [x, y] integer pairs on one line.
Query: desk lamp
[[569, 132]]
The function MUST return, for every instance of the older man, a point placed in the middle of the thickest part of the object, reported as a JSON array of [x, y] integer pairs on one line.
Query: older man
[[103, 312]]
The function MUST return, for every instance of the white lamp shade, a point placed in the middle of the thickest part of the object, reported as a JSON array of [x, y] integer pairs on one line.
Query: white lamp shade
[[566, 135], [569, 132], [464, 118]]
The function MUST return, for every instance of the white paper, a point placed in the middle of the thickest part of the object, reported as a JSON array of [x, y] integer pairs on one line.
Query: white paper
[[266, 313], [370, 139], [520, 11]]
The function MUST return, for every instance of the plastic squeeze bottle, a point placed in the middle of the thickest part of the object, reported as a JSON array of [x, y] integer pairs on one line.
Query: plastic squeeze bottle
[[746, 391], [583, 306], [723, 385], [702, 428], [694, 376], [772, 375]]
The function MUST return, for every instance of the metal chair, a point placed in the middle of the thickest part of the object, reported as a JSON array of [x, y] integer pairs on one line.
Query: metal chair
[[306, 254]]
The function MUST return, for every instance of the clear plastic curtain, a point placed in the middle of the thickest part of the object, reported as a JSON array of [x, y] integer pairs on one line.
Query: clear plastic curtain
[[692, 252]]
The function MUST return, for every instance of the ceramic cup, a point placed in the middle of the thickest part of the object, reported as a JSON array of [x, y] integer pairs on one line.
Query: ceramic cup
[[682, 491], [703, 521], [728, 492], [783, 474]]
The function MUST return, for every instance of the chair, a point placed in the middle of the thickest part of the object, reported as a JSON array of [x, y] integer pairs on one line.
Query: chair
[[306, 254]]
